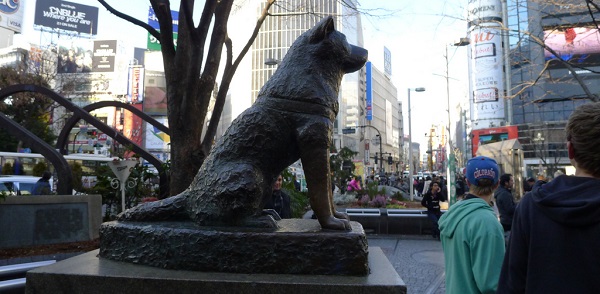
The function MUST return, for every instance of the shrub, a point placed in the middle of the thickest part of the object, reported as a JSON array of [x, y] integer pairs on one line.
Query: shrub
[[39, 168], [7, 169]]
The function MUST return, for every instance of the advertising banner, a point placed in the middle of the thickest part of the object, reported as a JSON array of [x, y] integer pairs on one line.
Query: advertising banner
[[153, 43], [487, 77], [11, 15], [75, 57], [135, 85], [155, 138], [66, 16], [155, 93], [484, 11], [103, 58], [133, 125], [577, 45]]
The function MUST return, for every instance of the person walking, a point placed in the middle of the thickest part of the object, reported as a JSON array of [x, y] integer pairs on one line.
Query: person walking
[[505, 201], [431, 200], [555, 238], [42, 186], [471, 235]]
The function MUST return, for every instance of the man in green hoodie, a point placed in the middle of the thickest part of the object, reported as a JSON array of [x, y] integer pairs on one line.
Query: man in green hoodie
[[472, 237]]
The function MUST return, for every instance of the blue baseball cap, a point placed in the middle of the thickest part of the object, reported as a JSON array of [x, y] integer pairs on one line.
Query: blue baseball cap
[[482, 167]]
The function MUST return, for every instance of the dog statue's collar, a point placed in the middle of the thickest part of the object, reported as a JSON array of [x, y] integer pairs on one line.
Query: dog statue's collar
[[295, 106]]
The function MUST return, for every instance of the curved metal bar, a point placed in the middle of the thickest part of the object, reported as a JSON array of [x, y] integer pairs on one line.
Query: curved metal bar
[[63, 137], [7, 91], [63, 171]]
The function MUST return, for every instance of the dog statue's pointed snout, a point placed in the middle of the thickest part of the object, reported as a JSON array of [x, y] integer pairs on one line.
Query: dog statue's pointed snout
[[357, 58]]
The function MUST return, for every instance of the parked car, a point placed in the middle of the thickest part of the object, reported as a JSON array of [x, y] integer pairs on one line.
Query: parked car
[[18, 185]]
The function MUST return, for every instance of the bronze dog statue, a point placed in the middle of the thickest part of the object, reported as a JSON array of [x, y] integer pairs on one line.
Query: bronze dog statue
[[291, 119]]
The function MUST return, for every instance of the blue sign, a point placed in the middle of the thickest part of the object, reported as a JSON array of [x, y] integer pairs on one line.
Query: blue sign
[[153, 20], [369, 98]]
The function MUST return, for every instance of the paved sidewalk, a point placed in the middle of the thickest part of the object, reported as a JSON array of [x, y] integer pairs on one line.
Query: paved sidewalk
[[418, 259]]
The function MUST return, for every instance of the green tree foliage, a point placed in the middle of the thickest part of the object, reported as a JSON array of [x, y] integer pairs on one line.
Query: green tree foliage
[[298, 200], [30, 110], [77, 172], [342, 167], [7, 169], [39, 168], [140, 185]]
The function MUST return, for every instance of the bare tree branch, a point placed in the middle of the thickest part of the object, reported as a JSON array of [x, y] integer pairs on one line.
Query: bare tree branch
[[135, 21]]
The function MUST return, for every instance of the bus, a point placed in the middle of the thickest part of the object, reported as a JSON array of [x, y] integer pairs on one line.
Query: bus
[[26, 161]]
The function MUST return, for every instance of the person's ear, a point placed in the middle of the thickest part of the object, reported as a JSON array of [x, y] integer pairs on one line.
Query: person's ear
[[571, 150]]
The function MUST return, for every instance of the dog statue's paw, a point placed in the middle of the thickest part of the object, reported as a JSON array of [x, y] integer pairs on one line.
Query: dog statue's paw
[[341, 215], [265, 221], [334, 223], [272, 213]]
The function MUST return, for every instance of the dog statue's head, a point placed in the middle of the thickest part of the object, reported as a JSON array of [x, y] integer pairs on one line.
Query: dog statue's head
[[354, 57], [314, 66]]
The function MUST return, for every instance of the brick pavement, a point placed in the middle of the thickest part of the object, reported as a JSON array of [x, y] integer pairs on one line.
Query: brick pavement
[[418, 259]]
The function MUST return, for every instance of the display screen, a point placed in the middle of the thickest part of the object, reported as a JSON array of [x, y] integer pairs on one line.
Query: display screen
[[578, 45]]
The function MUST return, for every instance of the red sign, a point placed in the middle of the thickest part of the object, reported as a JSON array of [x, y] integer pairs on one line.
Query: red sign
[[492, 135]]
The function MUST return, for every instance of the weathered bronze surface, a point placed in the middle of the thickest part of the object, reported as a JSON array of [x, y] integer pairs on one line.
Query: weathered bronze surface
[[217, 224], [299, 246], [291, 119]]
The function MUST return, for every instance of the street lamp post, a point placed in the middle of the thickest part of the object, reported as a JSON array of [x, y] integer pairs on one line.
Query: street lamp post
[[450, 172], [410, 149]]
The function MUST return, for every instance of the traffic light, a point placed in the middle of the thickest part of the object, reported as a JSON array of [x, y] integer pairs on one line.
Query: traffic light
[[375, 158], [390, 160], [92, 133]]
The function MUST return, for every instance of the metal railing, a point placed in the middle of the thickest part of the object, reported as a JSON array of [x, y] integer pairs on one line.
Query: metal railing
[[12, 277]]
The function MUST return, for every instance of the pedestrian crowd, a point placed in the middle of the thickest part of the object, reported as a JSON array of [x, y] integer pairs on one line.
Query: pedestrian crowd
[[548, 242]]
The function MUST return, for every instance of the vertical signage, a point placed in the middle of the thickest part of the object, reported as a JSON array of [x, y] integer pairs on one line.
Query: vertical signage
[[486, 64], [135, 87], [387, 61], [369, 98]]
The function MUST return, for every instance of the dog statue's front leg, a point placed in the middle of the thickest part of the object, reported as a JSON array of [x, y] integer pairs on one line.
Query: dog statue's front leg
[[315, 162]]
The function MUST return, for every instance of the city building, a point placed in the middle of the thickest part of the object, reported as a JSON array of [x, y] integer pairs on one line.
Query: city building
[[553, 57], [383, 114]]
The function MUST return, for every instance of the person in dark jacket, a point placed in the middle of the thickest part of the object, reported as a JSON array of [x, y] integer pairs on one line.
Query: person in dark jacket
[[528, 185], [431, 200], [505, 201], [555, 239], [42, 186], [280, 201]]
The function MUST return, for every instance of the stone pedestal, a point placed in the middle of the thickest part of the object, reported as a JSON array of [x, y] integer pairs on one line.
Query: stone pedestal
[[299, 246], [87, 273]]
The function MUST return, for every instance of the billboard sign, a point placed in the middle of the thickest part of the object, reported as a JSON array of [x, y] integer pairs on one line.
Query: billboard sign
[[75, 57], [577, 45], [103, 58], [11, 15], [66, 16], [487, 77], [153, 43], [155, 138], [492, 135], [484, 11], [155, 93]]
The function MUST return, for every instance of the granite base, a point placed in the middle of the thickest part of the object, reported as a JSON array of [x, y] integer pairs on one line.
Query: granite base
[[298, 246], [88, 273]]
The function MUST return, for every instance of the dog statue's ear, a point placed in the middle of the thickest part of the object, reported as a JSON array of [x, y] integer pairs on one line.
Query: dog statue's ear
[[322, 30]]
